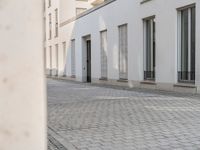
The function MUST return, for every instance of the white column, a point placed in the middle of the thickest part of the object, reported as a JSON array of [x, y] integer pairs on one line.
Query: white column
[[22, 86]]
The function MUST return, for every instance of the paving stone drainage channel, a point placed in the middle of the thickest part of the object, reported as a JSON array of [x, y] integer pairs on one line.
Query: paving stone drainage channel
[[57, 142], [53, 144]]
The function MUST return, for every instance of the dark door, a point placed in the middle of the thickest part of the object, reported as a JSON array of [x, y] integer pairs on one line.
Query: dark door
[[88, 42]]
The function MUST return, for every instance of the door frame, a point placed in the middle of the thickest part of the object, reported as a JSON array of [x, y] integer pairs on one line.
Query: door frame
[[84, 58]]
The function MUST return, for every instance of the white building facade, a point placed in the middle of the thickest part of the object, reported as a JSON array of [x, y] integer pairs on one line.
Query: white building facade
[[147, 44]]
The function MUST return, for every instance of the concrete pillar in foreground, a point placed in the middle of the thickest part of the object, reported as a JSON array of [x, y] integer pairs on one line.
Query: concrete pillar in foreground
[[22, 87]]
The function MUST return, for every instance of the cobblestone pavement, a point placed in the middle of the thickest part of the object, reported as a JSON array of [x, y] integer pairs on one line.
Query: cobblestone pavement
[[99, 118], [53, 144]]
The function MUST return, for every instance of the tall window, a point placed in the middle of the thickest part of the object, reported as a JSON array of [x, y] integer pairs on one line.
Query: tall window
[[186, 70], [123, 52], [64, 54], [50, 26], [56, 22], [104, 54], [45, 59], [149, 49], [50, 59], [44, 27], [57, 59], [49, 2], [73, 59]]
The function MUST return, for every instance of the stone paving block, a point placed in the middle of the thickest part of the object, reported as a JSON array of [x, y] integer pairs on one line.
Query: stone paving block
[[100, 118]]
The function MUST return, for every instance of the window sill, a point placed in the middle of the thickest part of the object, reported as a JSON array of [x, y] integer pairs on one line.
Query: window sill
[[150, 82], [185, 85], [73, 76], [122, 80], [103, 79]]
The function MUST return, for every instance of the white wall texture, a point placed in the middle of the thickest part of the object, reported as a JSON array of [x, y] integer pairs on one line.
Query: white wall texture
[[54, 40], [22, 87], [131, 12], [66, 11]]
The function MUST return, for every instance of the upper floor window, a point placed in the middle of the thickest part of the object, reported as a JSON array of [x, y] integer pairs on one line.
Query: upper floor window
[[49, 3], [56, 22], [50, 26]]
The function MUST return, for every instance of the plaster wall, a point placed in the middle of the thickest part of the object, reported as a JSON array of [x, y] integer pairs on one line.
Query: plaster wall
[[22, 85], [131, 12]]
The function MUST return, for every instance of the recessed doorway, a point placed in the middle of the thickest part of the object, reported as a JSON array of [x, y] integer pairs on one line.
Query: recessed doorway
[[87, 71]]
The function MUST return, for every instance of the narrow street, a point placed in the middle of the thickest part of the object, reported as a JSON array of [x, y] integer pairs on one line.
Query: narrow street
[[88, 117]]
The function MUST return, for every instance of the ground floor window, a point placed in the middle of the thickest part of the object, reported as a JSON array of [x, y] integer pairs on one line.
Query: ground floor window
[[57, 59], [186, 55], [45, 59], [149, 48], [104, 54], [64, 57], [50, 59], [73, 59], [123, 52]]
